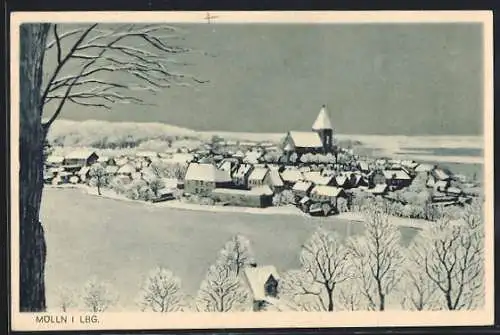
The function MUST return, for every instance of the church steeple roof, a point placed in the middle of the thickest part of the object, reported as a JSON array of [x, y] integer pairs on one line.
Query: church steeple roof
[[322, 121]]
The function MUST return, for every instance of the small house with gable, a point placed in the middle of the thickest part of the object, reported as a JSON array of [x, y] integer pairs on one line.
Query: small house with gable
[[328, 194], [257, 177], [202, 179], [263, 282], [80, 158]]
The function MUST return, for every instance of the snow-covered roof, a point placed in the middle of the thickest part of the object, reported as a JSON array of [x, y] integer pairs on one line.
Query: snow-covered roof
[[454, 190], [252, 157], [317, 178], [396, 174], [225, 165], [291, 175], [257, 278], [258, 174], [330, 191], [80, 154], [304, 200], [206, 172], [379, 189], [424, 167], [55, 159], [441, 175], [302, 186], [306, 139], [322, 121], [275, 178]]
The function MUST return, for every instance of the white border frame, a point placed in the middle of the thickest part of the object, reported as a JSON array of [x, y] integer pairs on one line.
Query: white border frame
[[152, 321]]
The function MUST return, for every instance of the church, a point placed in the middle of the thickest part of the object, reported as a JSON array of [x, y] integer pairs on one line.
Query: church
[[319, 140]]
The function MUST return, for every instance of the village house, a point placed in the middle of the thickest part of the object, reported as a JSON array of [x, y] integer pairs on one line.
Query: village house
[[440, 174], [273, 179], [263, 282], [328, 194], [126, 170], [257, 177], [302, 142], [317, 178], [80, 158], [424, 168], [291, 176], [397, 179], [240, 177], [302, 188], [260, 196], [202, 179]]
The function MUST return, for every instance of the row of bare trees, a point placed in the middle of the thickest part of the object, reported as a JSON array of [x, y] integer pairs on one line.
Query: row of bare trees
[[222, 290], [442, 268]]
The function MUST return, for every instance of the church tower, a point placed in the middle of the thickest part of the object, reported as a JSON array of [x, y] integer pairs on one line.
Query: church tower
[[323, 127]]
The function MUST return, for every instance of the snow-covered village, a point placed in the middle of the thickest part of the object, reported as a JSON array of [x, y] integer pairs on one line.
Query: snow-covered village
[[304, 172], [307, 170], [340, 168]]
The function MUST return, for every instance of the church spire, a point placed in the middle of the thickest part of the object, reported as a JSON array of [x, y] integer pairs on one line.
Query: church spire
[[322, 121]]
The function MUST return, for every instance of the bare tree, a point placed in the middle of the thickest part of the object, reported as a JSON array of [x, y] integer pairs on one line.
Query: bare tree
[[237, 254], [66, 299], [98, 176], [325, 264], [95, 67], [348, 297], [377, 257], [451, 254], [222, 291], [418, 291], [162, 292], [98, 296], [32, 248]]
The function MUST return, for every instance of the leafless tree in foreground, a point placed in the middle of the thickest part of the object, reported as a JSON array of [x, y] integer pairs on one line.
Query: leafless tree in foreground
[[66, 299], [98, 296], [419, 292], [237, 254], [95, 66], [451, 255], [325, 265], [222, 291], [377, 258], [162, 292]]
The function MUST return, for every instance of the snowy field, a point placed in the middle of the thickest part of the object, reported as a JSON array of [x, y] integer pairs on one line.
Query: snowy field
[[120, 241]]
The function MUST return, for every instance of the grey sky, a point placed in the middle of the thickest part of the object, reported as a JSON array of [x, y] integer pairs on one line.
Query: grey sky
[[375, 79]]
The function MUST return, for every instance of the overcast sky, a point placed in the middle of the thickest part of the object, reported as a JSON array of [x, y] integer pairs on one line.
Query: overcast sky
[[376, 79]]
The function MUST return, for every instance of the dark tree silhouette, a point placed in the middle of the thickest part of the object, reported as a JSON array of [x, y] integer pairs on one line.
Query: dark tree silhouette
[[97, 67]]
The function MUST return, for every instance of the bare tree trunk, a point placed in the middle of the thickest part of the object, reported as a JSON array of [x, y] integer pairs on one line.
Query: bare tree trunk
[[32, 136]]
